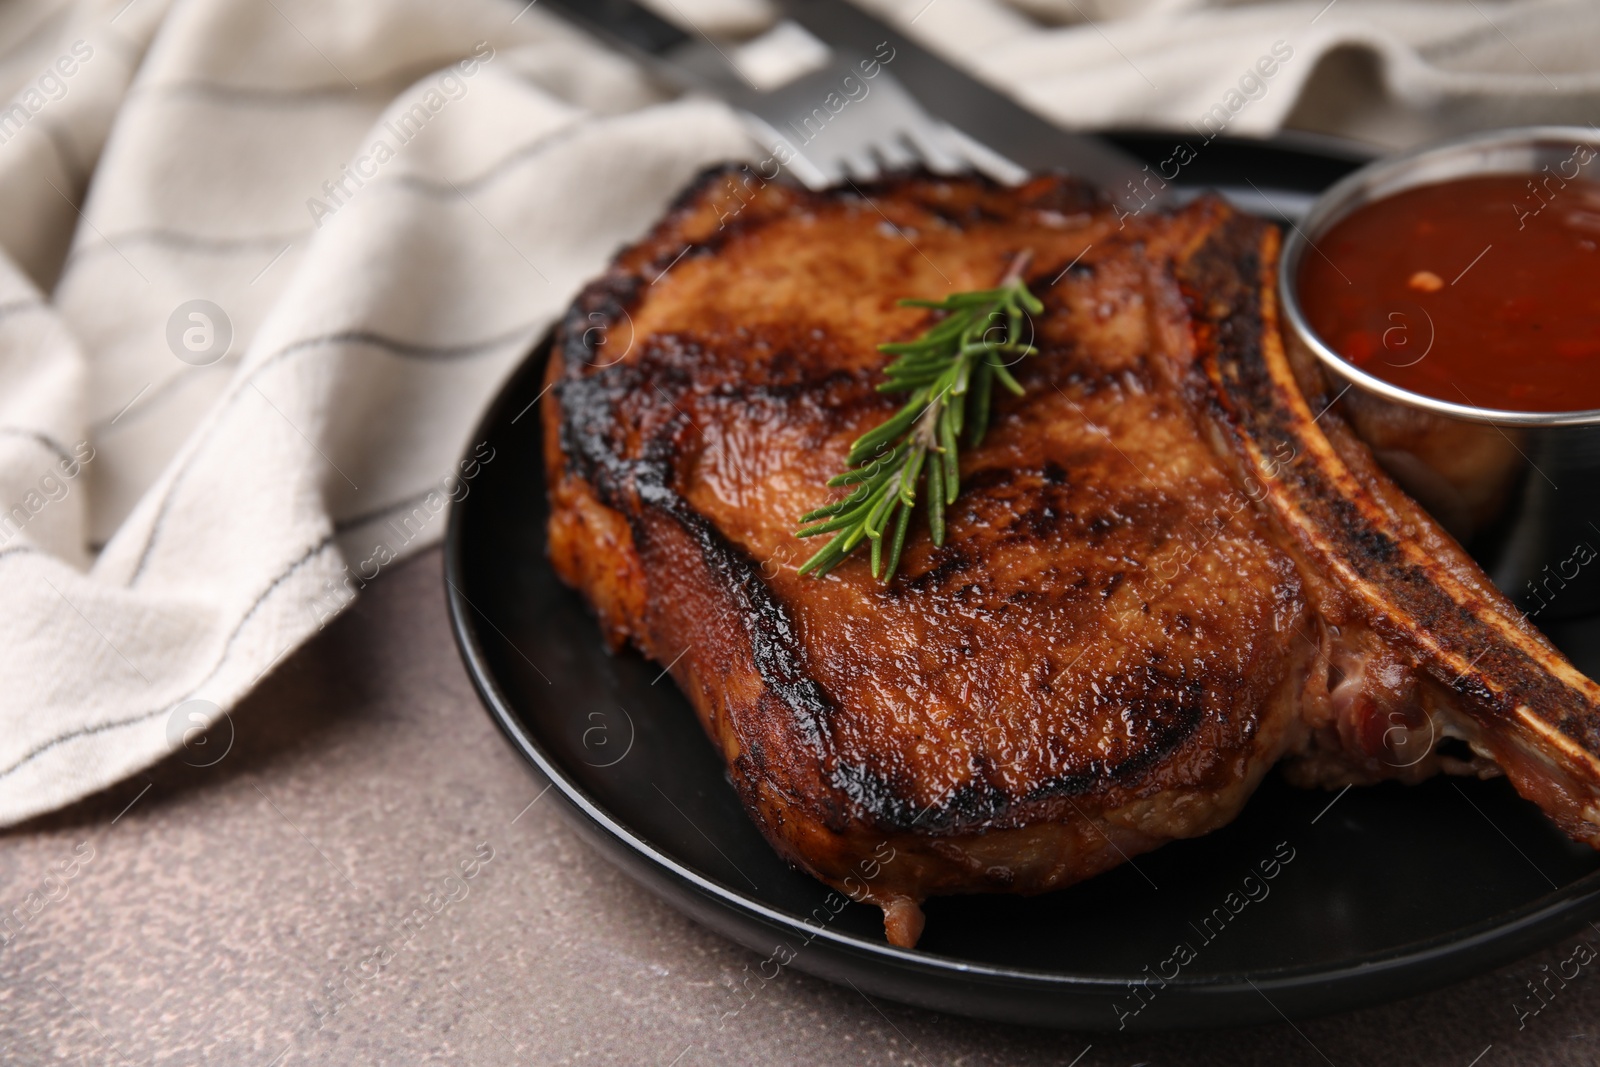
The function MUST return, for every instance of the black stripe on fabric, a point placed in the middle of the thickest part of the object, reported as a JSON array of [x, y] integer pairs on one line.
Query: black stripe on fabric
[[43, 440], [497, 169], [403, 349], [184, 240], [292, 96], [190, 241], [99, 728]]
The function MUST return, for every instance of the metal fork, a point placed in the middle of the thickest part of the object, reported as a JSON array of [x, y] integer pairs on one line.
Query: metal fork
[[850, 117], [838, 123]]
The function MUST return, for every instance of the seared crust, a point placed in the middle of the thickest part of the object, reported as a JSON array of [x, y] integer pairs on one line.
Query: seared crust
[[1158, 563], [697, 415]]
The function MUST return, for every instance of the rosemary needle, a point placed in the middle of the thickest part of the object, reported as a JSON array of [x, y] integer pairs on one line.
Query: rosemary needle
[[950, 372]]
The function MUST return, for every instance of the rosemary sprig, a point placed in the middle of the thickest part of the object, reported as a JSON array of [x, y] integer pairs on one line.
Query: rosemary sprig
[[949, 371]]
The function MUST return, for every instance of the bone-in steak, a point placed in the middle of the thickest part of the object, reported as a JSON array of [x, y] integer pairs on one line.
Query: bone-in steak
[[1168, 569]]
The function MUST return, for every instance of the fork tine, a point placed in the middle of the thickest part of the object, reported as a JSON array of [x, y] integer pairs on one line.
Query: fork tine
[[985, 159], [940, 160], [816, 171], [813, 171], [895, 154], [885, 130], [861, 165]]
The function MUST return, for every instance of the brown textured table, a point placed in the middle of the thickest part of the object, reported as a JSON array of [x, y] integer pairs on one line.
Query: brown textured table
[[210, 911]]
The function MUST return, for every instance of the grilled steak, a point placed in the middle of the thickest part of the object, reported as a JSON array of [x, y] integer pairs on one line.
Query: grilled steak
[[1170, 567]]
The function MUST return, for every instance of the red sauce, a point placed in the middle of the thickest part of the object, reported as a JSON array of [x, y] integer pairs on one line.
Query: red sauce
[[1481, 291]]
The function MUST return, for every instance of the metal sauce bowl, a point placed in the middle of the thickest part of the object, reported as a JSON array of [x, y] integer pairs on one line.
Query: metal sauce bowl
[[1521, 490]]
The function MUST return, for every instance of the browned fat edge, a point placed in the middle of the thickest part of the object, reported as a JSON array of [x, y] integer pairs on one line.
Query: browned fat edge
[[1538, 712]]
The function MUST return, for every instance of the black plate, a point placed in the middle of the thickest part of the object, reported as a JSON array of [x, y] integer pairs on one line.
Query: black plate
[[1386, 892]]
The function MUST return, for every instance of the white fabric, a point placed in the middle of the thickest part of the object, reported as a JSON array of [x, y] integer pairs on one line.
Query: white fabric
[[1393, 72], [161, 153]]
